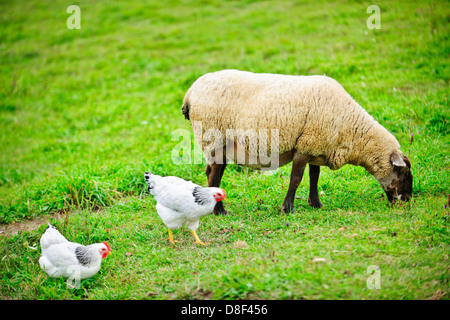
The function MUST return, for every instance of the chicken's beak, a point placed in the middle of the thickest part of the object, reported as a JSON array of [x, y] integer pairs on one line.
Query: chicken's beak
[[224, 195], [109, 252]]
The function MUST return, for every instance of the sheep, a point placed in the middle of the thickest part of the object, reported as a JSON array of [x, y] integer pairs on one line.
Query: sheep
[[317, 121]]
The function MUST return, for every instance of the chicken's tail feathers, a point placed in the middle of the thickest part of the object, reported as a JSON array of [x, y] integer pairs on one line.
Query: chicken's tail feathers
[[150, 184], [51, 236], [50, 226]]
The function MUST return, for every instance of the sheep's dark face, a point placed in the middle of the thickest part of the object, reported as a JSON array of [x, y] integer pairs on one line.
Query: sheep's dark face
[[398, 185]]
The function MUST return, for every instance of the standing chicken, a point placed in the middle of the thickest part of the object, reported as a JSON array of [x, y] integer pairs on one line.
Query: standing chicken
[[181, 202], [62, 258]]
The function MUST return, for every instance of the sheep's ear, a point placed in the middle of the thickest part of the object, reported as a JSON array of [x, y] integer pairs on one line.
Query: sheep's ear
[[397, 160]]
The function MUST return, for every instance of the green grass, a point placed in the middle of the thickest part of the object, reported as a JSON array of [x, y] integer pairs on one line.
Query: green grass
[[83, 113]]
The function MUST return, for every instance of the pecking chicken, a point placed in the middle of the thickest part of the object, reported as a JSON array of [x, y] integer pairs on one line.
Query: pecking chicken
[[62, 258], [182, 203]]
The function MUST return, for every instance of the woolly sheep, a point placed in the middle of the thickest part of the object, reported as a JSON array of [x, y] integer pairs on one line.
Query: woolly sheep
[[318, 124]]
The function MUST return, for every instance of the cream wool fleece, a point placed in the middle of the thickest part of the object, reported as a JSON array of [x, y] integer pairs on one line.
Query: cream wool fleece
[[314, 114]]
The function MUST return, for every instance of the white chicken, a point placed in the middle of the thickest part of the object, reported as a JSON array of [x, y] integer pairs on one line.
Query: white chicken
[[182, 203], [62, 258]]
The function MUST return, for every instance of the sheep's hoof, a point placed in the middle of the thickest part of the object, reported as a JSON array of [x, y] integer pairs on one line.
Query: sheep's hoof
[[315, 203], [287, 207], [222, 212]]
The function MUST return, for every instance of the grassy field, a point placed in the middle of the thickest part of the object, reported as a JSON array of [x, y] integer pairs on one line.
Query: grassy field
[[83, 113]]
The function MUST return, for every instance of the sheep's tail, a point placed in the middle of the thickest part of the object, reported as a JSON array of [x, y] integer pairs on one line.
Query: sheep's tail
[[185, 109]]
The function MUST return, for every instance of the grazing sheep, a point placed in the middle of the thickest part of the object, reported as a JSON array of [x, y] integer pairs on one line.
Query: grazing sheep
[[318, 123]]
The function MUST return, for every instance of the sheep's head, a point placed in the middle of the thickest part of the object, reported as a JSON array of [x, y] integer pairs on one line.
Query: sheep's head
[[398, 183]]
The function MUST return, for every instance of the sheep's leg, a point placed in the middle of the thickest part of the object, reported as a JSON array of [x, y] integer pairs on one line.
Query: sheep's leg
[[313, 198], [214, 173], [298, 167]]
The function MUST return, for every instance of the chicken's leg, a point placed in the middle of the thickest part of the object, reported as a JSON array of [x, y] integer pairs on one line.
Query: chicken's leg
[[197, 240], [171, 237]]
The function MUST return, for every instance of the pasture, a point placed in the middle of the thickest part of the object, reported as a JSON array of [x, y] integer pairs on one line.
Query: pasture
[[84, 112]]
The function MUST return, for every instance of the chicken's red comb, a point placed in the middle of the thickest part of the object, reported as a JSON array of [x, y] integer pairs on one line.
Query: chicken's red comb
[[107, 245]]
